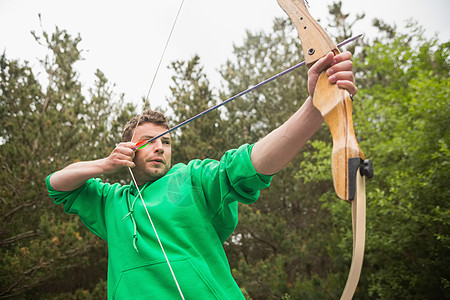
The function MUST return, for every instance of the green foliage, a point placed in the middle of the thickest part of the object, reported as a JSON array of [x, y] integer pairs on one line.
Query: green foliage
[[262, 56], [44, 251], [192, 95], [408, 210], [289, 245]]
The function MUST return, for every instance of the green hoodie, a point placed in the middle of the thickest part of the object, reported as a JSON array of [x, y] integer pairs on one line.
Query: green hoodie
[[194, 208]]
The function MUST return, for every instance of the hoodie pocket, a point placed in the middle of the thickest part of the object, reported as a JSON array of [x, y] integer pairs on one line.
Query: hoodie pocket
[[154, 281]]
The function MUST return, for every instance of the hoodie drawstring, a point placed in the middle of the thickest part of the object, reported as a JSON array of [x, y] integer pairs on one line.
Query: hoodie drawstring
[[131, 215]]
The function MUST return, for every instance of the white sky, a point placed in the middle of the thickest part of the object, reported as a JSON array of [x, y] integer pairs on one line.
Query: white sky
[[124, 39]]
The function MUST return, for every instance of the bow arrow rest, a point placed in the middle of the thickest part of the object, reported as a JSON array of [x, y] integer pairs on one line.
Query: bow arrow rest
[[365, 168]]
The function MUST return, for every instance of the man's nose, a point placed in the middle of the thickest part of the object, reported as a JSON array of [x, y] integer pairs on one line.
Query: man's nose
[[158, 146]]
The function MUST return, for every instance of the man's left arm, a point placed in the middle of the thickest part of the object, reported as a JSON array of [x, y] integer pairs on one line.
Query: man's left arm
[[273, 152]]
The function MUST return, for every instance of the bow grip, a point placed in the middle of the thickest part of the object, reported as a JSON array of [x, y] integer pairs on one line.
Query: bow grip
[[336, 107]]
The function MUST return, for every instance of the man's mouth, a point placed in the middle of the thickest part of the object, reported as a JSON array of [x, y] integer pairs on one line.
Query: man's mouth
[[157, 160]]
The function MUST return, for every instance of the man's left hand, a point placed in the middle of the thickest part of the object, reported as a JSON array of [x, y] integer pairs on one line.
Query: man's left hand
[[339, 72]]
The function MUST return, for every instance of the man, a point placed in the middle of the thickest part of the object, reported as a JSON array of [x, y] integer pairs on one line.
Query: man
[[193, 206]]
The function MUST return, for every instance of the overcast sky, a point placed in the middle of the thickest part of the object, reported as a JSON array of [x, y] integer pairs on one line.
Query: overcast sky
[[125, 39]]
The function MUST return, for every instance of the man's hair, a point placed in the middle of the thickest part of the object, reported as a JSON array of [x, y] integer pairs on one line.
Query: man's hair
[[147, 116]]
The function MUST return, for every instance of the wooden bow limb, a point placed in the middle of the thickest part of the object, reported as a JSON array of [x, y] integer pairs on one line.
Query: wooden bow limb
[[315, 40], [359, 237]]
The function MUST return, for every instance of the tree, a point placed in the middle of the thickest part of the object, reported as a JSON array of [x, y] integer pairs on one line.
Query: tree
[[288, 245], [408, 102], [402, 120], [192, 95], [43, 250]]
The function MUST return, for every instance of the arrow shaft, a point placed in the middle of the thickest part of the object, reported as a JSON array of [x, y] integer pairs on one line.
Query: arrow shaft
[[142, 145]]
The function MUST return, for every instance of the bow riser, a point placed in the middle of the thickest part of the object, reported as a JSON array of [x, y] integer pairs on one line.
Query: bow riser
[[336, 107]]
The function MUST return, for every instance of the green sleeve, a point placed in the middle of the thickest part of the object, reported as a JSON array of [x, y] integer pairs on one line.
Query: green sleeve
[[225, 183], [88, 202]]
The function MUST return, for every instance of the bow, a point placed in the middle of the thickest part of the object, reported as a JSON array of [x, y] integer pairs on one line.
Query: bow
[[349, 167]]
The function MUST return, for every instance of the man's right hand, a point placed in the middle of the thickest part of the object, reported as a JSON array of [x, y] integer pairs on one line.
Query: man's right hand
[[121, 156], [75, 175]]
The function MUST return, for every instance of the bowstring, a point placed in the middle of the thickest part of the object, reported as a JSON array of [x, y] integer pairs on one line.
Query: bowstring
[[164, 51], [156, 234], [134, 132]]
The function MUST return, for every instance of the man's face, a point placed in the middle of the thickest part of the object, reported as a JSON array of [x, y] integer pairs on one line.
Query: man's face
[[154, 160]]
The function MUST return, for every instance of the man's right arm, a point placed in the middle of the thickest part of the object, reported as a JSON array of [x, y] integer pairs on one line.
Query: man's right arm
[[76, 174]]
